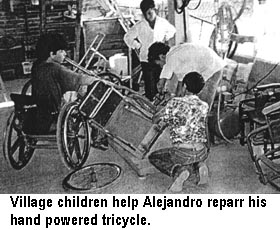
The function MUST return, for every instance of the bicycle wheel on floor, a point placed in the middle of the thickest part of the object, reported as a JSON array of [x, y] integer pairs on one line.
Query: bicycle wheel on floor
[[95, 176]]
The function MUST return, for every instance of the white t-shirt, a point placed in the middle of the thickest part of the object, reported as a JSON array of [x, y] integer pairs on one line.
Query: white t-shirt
[[163, 31], [189, 57]]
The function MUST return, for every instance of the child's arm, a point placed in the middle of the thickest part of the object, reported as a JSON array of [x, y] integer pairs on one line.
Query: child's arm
[[72, 81]]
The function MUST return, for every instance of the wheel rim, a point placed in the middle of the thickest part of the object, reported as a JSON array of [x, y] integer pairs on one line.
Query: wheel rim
[[91, 177], [74, 137], [27, 88], [16, 152], [232, 46]]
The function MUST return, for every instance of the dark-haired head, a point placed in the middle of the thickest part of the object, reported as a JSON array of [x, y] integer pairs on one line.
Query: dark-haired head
[[146, 4], [156, 49], [193, 82], [47, 43]]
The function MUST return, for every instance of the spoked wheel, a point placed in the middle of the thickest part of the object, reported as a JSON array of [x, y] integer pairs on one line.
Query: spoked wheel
[[15, 148], [73, 137], [92, 177], [215, 42]]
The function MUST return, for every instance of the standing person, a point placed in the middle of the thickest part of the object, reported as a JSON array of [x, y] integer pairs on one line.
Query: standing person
[[50, 80], [185, 116], [144, 33], [189, 57]]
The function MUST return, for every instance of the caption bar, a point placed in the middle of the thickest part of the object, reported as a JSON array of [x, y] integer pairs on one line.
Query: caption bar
[[105, 211]]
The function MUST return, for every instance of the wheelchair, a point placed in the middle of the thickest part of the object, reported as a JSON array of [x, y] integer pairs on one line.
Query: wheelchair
[[20, 141], [250, 109], [263, 144]]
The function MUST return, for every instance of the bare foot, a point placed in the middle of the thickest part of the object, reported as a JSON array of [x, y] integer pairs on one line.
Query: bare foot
[[203, 173], [177, 185]]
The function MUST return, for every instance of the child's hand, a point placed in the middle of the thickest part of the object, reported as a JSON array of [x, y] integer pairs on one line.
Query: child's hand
[[69, 96]]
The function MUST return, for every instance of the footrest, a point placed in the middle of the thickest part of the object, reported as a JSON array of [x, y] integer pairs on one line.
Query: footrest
[[269, 163]]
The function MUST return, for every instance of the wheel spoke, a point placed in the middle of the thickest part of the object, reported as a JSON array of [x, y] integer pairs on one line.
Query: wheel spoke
[[16, 145], [71, 136], [21, 154], [74, 135], [77, 148], [71, 146], [81, 135]]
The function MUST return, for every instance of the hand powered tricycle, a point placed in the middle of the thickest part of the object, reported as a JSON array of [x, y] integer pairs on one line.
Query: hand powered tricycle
[[117, 112], [125, 117]]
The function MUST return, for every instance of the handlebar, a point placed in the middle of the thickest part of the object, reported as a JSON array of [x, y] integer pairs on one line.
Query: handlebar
[[86, 71]]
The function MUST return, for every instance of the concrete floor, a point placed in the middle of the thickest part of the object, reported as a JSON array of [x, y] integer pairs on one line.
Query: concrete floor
[[231, 171]]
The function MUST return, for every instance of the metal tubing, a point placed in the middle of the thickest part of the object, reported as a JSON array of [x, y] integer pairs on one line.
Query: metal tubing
[[75, 64]]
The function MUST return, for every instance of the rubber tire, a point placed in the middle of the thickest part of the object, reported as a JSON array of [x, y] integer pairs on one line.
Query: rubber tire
[[27, 86], [62, 138], [21, 146], [86, 177]]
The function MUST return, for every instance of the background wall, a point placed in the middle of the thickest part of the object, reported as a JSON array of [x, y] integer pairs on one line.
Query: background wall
[[21, 24]]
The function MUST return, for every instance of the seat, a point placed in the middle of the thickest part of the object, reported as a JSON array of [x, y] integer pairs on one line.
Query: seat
[[26, 110], [250, 109], [19, 137], [263, 144], [24, 133]]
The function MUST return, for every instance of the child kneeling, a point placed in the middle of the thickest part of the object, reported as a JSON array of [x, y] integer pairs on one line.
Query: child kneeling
[[186, 119]]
